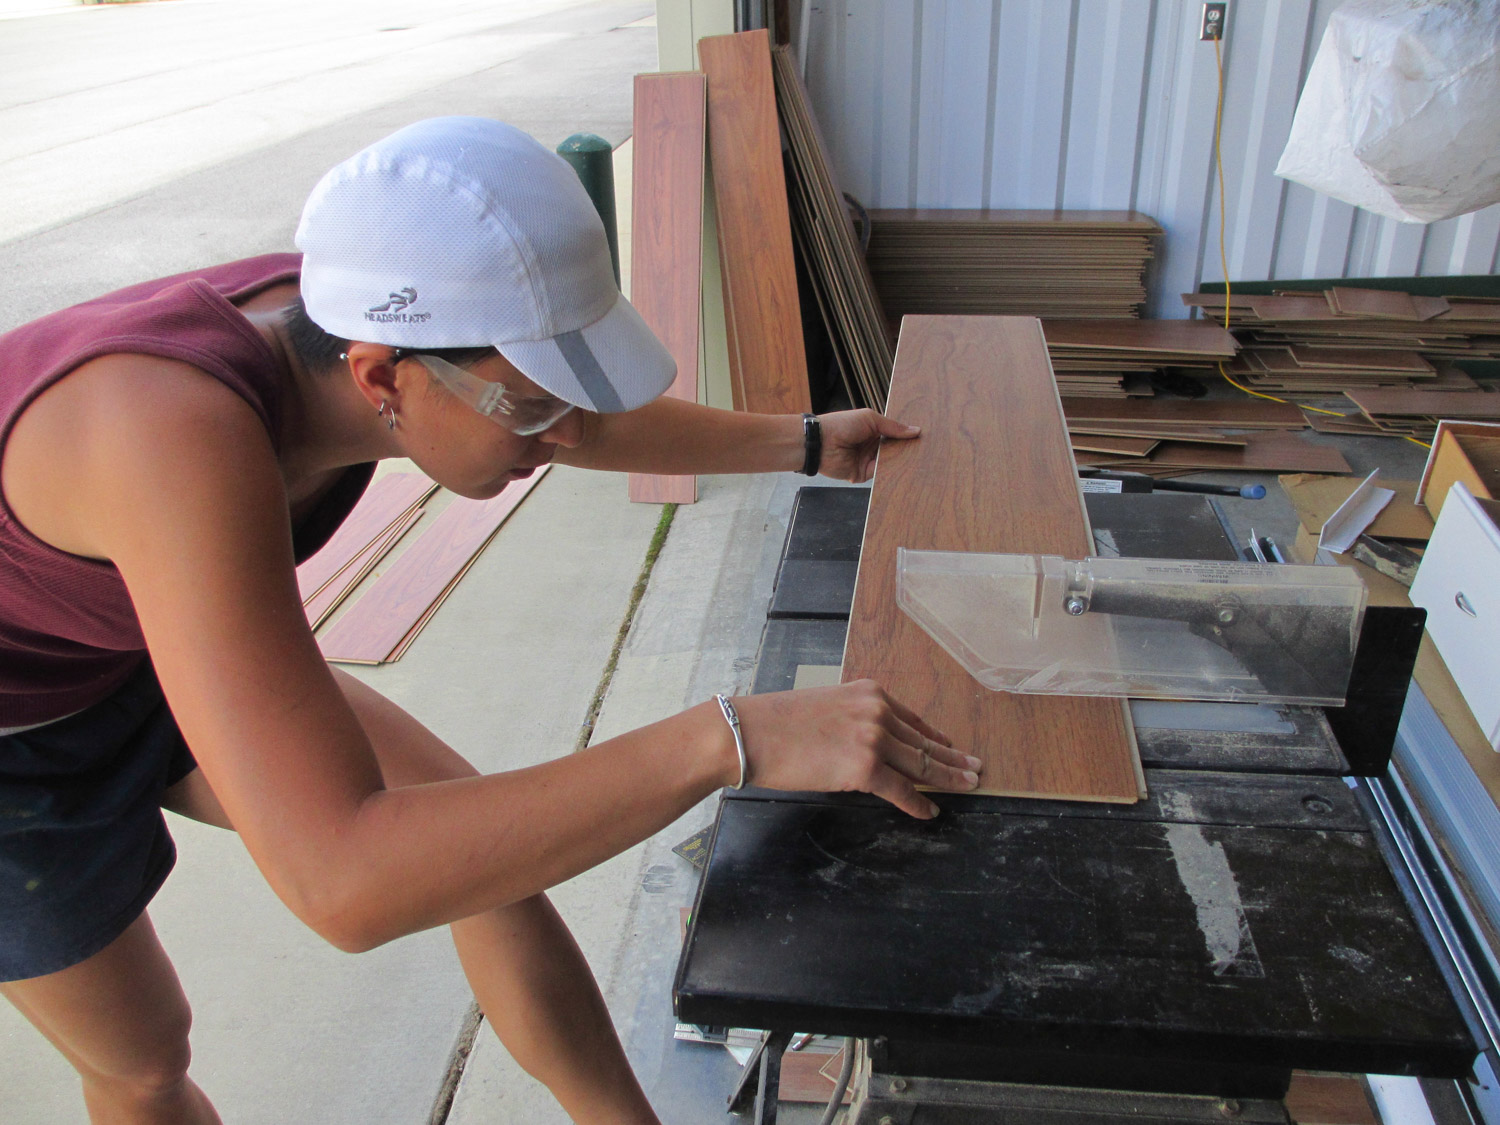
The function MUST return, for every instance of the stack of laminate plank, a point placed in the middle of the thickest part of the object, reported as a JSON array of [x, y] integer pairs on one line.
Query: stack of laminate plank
[[1110, 358], [835, 262], [381, 625], [390, 507], [1310, 345], [1026, 263], [1415, 413], [1170, 437]]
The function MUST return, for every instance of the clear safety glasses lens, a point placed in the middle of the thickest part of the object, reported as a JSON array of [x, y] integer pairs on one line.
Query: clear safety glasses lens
[[522, 415]]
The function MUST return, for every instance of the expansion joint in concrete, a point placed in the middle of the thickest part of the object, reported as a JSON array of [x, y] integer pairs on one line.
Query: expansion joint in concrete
[[468, 1031], [638, 591]]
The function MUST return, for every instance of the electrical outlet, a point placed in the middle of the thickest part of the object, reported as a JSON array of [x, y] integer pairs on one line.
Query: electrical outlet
[[1213, 21]]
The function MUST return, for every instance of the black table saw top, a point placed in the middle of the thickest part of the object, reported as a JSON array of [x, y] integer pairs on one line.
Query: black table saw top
[[1240, 921]]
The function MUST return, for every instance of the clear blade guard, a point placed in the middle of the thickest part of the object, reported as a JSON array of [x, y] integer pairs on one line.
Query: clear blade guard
[[1144, 628]]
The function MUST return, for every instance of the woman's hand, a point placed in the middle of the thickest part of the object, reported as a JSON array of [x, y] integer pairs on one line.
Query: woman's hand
[[851, 438], [850, 737]]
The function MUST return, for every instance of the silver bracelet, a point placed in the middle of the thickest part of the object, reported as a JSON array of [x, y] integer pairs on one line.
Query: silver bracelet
[[732, 718]]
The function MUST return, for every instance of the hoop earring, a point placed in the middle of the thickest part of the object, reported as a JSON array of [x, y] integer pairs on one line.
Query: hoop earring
[[388, 413]]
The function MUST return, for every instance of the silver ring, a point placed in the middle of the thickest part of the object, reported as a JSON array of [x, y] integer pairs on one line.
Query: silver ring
[[926, 761]]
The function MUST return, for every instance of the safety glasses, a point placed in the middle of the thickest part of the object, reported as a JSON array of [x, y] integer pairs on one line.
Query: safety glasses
[[522, 415]]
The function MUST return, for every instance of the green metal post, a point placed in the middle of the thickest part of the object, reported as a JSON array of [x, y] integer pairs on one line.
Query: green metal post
[[593, 160]]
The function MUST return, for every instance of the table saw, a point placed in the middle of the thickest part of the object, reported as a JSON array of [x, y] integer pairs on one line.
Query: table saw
[[1051, 961]]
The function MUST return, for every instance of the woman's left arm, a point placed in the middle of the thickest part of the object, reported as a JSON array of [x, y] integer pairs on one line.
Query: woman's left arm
[[671, 437]]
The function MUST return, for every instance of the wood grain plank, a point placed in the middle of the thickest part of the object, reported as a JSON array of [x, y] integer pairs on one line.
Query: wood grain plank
[[406, 594], [322, 605], [385, 502], [1112, 443], [1232, 413], [1384, 304], [768, 366], [666, 235], [992, 472], [1329, 1099], [1277, 451], [1188, 337], [1426, 404]]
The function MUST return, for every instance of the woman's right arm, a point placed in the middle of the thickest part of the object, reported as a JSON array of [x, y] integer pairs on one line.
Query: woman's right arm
[[175, 482]]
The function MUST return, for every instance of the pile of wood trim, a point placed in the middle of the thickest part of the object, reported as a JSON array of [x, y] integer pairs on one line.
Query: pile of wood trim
[[1011, 262]]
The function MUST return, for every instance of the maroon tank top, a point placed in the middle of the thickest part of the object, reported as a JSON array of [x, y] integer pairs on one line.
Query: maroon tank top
[[68, 631]]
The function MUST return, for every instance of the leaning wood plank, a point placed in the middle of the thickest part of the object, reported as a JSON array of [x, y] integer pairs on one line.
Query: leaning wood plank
[[666, 235], [404, 595], [991, 472], [764, 317], [836, 267], [385, 502]]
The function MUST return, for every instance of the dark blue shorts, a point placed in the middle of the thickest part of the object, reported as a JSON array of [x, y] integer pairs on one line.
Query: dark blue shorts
[[83, 842]]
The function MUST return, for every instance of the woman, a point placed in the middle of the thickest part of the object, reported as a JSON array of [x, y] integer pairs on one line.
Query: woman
[[167, 453]]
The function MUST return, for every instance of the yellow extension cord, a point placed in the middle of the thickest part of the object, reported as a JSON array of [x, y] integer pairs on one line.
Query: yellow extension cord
[[1224, 257]]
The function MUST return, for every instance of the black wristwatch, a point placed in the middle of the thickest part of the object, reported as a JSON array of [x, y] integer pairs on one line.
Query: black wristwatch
[[812, 444]]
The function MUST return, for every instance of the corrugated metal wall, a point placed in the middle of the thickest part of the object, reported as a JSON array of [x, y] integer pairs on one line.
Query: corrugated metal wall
[[1106, 104]]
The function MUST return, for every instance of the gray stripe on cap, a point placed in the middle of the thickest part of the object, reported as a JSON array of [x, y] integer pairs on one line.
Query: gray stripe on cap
[[596, 385]]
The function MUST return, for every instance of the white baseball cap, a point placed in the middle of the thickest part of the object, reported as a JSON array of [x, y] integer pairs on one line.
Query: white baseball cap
[[463, 232]]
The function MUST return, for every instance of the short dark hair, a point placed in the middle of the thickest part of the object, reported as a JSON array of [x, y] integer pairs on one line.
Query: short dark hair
[[317, 350], [320, 351]]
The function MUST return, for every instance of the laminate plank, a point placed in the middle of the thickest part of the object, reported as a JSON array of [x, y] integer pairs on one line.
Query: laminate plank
[[1164, 433], [1201, 413], [666, 236], [1329, 1099], [384, 503], [322, 605], [1426, 404], [1385, 304], [767, 363], [1112, 443], [1277, 451], [1019, 219], [1187, 337], [1293, 308], [406, 594], [1361, 359], [991, 472]]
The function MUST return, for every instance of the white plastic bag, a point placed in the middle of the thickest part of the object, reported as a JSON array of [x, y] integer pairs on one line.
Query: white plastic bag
[[1401, 111]]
